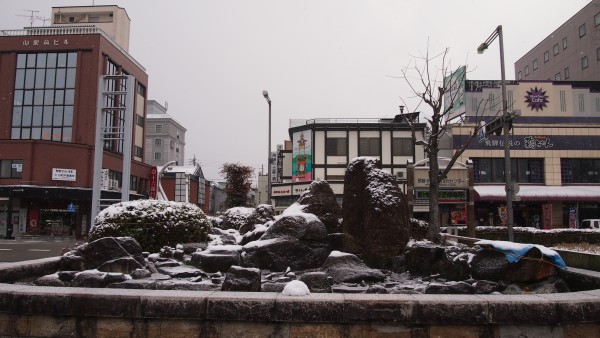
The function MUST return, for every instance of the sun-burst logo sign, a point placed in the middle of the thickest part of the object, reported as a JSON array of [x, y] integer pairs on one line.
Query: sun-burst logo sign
[[536, 99]]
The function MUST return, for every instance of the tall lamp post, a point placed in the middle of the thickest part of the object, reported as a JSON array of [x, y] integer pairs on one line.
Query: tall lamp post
[[506, 126], [266, 95]]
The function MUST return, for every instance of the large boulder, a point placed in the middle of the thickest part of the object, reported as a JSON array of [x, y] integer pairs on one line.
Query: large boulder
[[297, 241], [375, 211], [347, 268], [217, 258], [449, 262], [320, 201], [242, 279], [119, 254], [260, 215], [492, 264]]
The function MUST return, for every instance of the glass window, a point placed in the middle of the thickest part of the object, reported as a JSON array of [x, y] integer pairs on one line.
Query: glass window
[[557, 77], [158, 142], [546, 56], [580, 170], [158, 128], [157, 156], [535, 64], [44, 96], [556, 49], [519, 75], [139, 120], [402, 147], [582, 30], [526, 70], [524, 170], [336, 146], [564, 43], [567, 73], [369, 146], [598, 53], [597, 19], [11, 168], [584, 62]]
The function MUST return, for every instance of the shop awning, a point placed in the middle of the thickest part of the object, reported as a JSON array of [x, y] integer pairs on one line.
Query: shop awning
[[573, 193]]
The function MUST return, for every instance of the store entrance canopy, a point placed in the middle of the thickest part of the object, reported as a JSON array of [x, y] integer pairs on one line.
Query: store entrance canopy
[[572, 193]]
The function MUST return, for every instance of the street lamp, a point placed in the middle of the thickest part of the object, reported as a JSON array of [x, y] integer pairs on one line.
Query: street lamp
[[506, 126], [266, 95]]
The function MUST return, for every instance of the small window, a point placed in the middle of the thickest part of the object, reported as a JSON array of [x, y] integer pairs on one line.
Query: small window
[[535, 64], [598, 53], [139, 120], [519, 75], [158, 128], [555, 49], [584, 62], [336, 146], [567, 73], [557, 77], [597, 19], [564, 41], [402, 147], [526, 70], [11, 168], [546, 56], [369, 146], [582, 31], [138, 151], [158, 142], [158, 156]]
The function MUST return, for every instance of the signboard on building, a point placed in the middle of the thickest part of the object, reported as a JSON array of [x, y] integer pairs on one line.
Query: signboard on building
[[455, 92], [59, 174], [456, 178], [302, 156], [153, 182]]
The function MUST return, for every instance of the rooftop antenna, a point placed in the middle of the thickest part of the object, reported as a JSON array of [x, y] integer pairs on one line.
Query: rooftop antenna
[[31, 16]]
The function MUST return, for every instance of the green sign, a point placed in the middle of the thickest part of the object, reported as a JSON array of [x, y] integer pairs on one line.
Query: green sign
[[443, 195]]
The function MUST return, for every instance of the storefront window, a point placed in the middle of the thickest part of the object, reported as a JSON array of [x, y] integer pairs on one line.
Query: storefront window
[[523, 170]]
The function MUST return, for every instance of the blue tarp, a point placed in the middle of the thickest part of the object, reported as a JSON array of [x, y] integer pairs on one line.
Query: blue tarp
[[514, 251]]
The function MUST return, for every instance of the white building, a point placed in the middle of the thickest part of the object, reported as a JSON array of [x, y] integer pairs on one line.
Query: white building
[[165, 137]]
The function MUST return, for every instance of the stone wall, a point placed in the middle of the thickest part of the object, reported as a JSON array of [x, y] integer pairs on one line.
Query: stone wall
[[32, 311]]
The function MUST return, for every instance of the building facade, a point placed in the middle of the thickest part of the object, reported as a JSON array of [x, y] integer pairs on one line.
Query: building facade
[[555, 152], [321, 149], [570, 53], [165, 137], [48, 106]]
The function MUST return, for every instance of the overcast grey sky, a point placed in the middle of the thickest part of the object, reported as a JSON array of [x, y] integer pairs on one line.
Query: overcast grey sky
[[211, 60]]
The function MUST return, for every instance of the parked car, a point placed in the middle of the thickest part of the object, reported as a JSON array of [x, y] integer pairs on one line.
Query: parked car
[[590, 224]]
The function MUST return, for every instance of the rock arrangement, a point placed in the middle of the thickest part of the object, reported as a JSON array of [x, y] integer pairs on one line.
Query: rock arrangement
[[255, 251]]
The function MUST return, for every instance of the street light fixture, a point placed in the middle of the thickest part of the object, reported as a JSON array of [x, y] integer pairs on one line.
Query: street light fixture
[[266, 95], [506, 127]]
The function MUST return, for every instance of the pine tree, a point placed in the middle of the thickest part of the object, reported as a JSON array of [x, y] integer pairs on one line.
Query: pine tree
[[237, 184]]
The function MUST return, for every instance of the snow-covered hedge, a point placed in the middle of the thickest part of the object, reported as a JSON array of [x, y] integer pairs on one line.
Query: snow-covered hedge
[[152, 223]]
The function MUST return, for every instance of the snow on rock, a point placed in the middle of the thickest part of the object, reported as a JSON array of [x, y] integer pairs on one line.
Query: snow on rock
[[296, 288]]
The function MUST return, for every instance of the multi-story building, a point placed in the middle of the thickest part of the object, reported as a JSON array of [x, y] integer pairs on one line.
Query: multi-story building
[[323, 148], [554, 151], [570, 53], [165, 137], [49, 99]]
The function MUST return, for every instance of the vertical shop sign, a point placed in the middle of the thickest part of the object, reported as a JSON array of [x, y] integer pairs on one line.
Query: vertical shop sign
[[547, 216], [572, 217], [153, 182], [302, 156]]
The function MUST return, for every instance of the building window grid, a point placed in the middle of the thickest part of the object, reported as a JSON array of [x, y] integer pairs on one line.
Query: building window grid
[[158, 142], [524, 170], [44, 95], [580, 170], [114, 120], [158, 128]]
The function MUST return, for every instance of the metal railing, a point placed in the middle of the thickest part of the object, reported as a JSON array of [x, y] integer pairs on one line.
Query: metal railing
[[68, 30]]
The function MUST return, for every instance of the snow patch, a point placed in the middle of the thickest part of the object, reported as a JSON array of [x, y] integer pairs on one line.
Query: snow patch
[[296, 288]]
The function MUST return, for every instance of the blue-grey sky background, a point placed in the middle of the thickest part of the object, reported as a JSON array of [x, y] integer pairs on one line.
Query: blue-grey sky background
[[211, 60]]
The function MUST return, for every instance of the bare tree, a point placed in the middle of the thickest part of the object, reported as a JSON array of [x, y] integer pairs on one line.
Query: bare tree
[[427, 83]]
